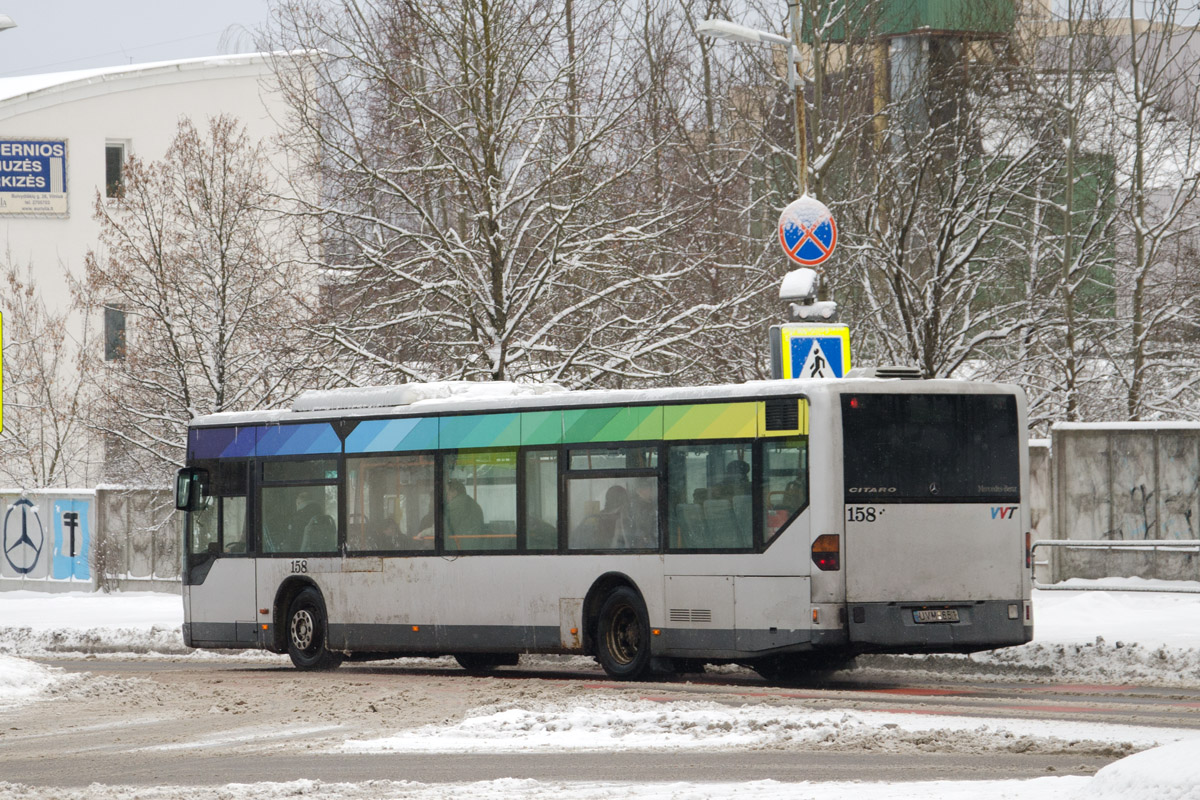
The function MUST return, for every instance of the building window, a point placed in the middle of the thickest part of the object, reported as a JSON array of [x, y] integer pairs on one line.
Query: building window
[[114, 334], [114, 169]]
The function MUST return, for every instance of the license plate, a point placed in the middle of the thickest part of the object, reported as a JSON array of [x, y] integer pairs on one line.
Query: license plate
[[936, 615]]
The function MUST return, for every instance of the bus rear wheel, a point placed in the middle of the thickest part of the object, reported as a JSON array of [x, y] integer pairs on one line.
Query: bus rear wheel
[[307, 632], [623, 635]]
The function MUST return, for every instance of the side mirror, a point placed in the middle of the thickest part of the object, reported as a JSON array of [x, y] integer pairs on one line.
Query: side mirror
[[190, 484]]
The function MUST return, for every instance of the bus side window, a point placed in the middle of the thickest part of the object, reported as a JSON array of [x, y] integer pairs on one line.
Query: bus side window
[[710, 491], [479, 500], [203, 538], [541, 500], [233, 524], [785, 483], [390, 503]]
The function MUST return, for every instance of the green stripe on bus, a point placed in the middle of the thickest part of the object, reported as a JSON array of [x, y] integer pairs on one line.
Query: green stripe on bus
[[617, 424], [711, 421], [479, 430], [541, 427]]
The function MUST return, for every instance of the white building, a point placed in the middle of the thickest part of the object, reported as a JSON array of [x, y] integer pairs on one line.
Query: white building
[[63, 140]]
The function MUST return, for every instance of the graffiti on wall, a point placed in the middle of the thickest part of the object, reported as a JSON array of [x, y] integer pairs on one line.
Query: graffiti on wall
[[24, 537]]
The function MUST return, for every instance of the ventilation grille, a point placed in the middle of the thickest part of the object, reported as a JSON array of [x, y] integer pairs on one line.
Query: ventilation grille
[[691, 615], [783, 415]]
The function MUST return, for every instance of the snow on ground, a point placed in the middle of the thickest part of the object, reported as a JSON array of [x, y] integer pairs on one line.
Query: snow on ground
[[21, 681], [1114, 637], [600, 722], [1160, 774]]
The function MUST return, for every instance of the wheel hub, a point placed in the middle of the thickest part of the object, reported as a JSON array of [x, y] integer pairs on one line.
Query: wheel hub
[[623, 639], [302, 629]]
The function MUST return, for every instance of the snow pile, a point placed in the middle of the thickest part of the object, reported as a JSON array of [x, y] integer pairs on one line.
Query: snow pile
[[21, 681], [406, 394], [40, 623], [1110, 637], [603, 723], [1171, 772]]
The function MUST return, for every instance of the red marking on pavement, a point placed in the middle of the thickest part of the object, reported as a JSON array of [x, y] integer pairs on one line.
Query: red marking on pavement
[[1084, 687], [1067, 709], [920, 692], [928, 712]]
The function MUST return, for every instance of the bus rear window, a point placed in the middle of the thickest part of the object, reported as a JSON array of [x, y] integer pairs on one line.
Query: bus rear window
[[931, 448]]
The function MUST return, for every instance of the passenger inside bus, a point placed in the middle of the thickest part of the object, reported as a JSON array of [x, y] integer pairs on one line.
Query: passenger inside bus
[[316, 530], [601, 530], [737, 480], [463, 515], [640, 528]]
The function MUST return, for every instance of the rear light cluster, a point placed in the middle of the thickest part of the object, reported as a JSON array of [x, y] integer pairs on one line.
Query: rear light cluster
[[827, 552]]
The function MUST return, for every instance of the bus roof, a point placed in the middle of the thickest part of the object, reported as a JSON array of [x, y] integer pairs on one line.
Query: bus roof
[[451, 397]]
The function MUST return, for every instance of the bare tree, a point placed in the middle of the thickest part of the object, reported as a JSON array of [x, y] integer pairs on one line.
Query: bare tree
[[492, 205], [1156, 101], [1061, 77], [44, 441], [201, 267]]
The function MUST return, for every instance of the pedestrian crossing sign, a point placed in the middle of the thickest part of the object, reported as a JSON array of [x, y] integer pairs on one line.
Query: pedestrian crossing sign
[[811, 351]]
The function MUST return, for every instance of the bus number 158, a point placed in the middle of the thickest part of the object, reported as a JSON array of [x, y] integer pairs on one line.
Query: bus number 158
[[862, 513]]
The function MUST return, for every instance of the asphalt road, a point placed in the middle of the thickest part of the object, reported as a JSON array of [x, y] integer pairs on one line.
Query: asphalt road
[[198, 723]]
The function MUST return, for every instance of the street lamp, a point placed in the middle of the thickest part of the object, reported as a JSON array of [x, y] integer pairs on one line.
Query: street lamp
[[731, 31], [6, 22]]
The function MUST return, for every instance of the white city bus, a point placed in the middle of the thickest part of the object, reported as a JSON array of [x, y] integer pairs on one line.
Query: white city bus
[[778, 524]]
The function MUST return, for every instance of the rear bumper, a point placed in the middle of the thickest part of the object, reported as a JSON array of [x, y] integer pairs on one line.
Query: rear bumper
[[892, 627]]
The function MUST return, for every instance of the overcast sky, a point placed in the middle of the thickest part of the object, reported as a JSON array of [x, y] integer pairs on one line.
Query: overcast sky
[[62, 35]]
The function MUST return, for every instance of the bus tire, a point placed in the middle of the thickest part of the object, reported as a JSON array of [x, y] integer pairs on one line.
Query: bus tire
[[623, 635], [484, 663], [308, 631]]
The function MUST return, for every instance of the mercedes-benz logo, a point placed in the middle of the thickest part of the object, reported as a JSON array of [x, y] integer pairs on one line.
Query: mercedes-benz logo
[[23, 540], [933, 488]]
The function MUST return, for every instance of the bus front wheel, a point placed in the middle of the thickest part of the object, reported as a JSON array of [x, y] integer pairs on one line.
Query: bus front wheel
[[623, 635], [307, 632]]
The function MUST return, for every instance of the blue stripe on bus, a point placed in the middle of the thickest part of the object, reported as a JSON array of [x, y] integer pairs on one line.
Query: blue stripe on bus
[[295, 440], [385, 435], [233, 442]]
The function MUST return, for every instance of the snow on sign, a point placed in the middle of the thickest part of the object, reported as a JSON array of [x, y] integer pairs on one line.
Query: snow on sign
[[812, 351], [807, 231]]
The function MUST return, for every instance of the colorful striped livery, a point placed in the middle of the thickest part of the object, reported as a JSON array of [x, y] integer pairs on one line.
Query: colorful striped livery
[[684, 422]]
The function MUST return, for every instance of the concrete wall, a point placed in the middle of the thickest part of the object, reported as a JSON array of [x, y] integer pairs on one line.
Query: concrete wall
[[81, 540], [1041, 500], [1126, 482]]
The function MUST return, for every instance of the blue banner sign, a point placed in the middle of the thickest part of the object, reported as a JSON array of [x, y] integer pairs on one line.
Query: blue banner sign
[[33, 177]]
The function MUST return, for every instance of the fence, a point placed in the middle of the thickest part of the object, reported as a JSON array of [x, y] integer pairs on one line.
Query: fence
[[1124, 487], [107, 538]]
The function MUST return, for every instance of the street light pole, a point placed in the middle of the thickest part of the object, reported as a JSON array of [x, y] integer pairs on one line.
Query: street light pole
[[798, 91], [723, 29]]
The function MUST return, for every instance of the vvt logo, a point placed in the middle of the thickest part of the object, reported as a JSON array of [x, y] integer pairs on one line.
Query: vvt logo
[[1004, 512]]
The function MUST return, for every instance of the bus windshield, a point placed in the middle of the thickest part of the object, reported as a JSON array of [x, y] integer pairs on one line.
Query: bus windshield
[[926, 448]]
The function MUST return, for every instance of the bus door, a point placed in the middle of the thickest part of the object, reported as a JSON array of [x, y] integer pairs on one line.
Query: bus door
[[219, 584], [934, 541]]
